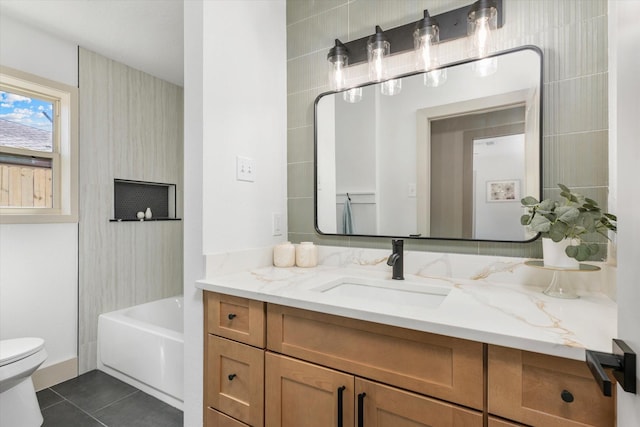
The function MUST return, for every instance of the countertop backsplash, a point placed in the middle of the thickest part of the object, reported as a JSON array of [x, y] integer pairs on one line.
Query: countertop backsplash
[[495, 269]]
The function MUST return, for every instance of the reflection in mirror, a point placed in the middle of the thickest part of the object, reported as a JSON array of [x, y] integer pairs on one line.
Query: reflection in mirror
[[449, 160]]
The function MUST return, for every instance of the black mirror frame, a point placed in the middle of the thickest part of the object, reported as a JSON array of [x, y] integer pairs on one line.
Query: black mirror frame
[[466, 61]]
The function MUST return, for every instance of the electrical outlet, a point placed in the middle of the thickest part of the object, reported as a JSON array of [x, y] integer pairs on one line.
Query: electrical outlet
[[245, 169], [276, 223]]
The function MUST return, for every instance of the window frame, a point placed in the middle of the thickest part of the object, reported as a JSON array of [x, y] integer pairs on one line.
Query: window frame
[[64, 152]]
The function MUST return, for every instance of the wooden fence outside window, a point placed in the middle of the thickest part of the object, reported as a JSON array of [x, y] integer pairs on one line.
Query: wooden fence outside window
[[23, 186]]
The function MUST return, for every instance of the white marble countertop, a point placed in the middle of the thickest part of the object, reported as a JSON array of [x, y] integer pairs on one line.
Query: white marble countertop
[[494, 312]]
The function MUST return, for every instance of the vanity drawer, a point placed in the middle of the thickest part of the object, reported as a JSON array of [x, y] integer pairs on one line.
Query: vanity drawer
[[497, 422], [239, 319], [439, 366], [234, 380], [543, 390], [218, 419]]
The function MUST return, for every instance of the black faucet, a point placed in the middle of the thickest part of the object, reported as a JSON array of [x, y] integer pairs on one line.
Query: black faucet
[[396, 259]]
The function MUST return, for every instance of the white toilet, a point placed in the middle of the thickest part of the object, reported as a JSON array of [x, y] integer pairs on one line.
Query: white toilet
[[19, 358]]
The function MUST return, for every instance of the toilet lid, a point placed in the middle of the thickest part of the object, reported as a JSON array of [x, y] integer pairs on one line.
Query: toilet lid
[[19, 348]]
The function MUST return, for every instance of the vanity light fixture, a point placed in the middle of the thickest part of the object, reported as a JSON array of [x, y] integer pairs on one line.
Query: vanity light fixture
[[378, 49], [425, 41], [482, 18], [352, 95], [482, 23], [391, 87], [338, 58]]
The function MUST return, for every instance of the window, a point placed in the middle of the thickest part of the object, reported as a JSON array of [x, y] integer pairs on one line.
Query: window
[[38, 149]]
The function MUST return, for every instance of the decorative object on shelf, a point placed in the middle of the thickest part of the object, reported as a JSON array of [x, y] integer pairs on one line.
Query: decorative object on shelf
[[571, 219], [284, 255], [140, 215], [560, 285], [306, 255], [148, 214], [424, 36]]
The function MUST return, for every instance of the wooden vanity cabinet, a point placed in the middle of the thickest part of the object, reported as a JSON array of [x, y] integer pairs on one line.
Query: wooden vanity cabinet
[[434, 365], [301, 394], [542, 390], [215, 418], [239, 319], [234, 361], [275, 366], [497, 422], [384, 406]]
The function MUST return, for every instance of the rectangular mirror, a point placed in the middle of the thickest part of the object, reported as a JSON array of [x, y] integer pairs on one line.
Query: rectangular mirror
[[448, 157]]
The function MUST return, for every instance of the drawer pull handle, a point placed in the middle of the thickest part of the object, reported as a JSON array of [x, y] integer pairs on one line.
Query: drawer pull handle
[[566, 396], [231, 377], [231, 316], [340, 392], [361, 409]]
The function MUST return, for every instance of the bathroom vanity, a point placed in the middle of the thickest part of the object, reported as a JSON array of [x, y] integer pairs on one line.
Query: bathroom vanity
[[333, 346]]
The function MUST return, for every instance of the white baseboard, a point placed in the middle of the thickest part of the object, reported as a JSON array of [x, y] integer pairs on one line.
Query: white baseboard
[[55, 374]]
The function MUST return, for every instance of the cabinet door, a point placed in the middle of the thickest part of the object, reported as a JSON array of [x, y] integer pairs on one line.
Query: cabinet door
[[299, 394], [541, 390], [383, 406], [239, 319], [235, 380]]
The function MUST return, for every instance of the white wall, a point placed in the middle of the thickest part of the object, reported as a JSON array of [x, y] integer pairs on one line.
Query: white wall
[[38, 286], [192, 228], [244, 114], [38, 262], [28, 49], [624, 66], [235, 104]]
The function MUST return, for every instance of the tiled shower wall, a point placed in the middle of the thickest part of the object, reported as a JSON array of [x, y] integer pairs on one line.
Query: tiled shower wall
[[130, 128], [573, 37]]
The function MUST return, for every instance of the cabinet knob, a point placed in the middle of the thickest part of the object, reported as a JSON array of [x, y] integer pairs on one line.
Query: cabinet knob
[[566, 396], [231, 316], [231, 377]]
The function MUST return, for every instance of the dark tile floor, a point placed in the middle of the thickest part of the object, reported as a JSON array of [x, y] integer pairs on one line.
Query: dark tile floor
[[96, 399]]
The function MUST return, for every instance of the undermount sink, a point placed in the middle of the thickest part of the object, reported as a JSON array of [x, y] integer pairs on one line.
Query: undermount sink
[[384, 293]]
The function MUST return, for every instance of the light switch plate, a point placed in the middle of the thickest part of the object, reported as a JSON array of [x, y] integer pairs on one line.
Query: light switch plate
[[245, 169]]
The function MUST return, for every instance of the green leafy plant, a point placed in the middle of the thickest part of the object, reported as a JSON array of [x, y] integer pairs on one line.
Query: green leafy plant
[[571, 218]]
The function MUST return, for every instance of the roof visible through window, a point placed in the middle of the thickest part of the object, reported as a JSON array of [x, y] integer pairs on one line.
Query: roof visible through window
[[26, 122]]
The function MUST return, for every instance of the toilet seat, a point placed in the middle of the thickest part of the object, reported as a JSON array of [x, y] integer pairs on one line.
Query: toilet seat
[[19, 348]]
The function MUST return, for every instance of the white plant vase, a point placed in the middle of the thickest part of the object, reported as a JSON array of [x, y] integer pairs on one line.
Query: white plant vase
[[554, 254]]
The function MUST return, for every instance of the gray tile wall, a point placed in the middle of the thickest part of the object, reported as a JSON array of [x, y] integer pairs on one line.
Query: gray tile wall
[[130, 128], [573, 37]]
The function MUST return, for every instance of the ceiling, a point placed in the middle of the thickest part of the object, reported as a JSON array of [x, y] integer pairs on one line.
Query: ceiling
[[143, 34]]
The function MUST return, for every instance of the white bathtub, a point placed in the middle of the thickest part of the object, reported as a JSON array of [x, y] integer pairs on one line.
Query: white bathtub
[[143, 346]]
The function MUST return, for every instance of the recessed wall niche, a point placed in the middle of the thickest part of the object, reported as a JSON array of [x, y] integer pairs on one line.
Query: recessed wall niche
[[131, 197]]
